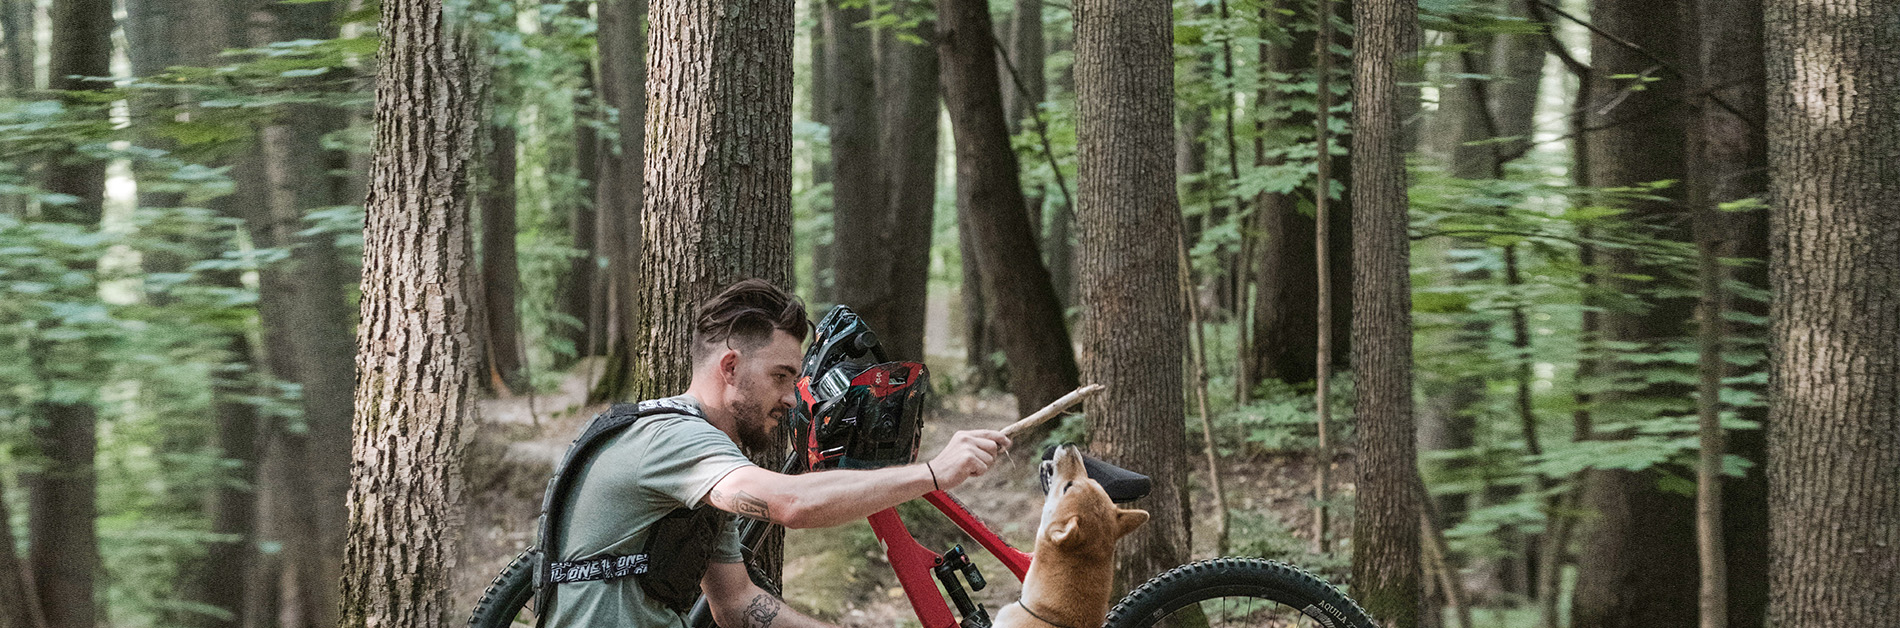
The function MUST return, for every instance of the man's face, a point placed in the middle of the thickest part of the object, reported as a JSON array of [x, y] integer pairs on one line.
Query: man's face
[[763, 388]]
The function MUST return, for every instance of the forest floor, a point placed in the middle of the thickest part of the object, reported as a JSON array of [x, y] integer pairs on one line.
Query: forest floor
[[840, 574]]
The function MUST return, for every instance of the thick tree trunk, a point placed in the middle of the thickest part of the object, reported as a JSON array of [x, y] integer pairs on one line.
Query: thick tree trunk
[[720, 129], [1641, 567], [909, 145], [62, 539], [719, 124], [500, 276], [1285, 331], [1017, 291], [1385, 540], [860, 214], [417, 371], [620, 201], [1129, 218], [979, 337], [1834, 391]]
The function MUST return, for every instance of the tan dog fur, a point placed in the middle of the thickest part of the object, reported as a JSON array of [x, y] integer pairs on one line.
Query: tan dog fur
[[1072, 578]]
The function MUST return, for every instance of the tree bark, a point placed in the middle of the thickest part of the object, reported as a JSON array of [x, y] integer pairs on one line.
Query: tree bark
[[1023, 95], [1128, 217], [22, 53], [416, 366], [620, 201], [1385, 540], [500, 276], [719, 133], [1834, 391], [1517, 62], [909, 145], [720, 141], [62, 538], [1641, 567], [860, 204], [1017, 291]]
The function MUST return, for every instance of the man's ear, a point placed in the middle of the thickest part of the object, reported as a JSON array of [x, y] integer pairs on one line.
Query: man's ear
[[1059, 533], [729, 365], [1128, 520]]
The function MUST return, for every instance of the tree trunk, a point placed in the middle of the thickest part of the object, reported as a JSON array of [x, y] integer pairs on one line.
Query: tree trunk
[[720, 124], [860, 206], [823, 292], [861, 219], [1023, 94], [909, 145], [22, 53], [1517, 62], [1385, 539], [583, 297], [500, 276], [1641, 567], [1129, 217], [19, 607], [62, 539], [620, 201], [1285, 333], [1834, 391], [1016, 288], [979, 337], [1729, 162], [417, 371]]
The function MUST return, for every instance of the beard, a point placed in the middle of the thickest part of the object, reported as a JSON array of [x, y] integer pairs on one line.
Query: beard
[[757, 425]]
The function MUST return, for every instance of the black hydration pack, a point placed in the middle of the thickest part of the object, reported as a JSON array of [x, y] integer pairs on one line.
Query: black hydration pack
[[678, 546]]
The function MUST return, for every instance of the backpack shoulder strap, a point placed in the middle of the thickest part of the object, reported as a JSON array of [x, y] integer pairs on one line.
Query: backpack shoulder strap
[[598, 432]]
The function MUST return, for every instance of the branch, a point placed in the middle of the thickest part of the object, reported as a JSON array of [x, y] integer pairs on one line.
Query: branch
[[1753, 125]]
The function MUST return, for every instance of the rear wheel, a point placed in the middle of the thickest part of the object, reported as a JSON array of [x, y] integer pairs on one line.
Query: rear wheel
[[505, 601], [1237, 592]]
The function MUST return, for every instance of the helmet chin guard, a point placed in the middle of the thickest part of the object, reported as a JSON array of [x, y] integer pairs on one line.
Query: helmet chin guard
[[855, 409]]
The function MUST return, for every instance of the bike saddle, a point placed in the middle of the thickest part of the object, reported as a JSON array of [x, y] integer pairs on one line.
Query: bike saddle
[[1121, 484]]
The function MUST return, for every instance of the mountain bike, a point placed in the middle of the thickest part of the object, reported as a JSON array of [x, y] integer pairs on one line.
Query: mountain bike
[[871, 415]]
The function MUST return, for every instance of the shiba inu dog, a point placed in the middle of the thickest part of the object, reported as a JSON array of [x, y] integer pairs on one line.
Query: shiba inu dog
[[1072, 579]]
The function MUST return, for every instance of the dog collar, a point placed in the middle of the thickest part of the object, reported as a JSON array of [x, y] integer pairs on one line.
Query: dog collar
[[1032, 613]]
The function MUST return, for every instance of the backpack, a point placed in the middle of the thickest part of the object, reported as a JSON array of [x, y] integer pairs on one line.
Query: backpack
[[678, 546]]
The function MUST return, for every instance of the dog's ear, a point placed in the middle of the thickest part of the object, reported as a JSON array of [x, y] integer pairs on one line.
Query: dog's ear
[[1128, 520], [1061, 532]]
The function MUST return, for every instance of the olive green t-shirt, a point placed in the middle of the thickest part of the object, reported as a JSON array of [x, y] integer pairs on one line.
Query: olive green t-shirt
[[660, 464]]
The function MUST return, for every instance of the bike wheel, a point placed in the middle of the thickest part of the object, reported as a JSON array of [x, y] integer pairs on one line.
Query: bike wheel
[[504, 602], [1237, 592]]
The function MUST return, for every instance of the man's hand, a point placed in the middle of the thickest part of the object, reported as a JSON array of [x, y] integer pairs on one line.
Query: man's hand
[[969, 454]]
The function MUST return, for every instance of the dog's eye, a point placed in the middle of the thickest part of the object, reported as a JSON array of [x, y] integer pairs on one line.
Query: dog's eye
[[1066, 487]]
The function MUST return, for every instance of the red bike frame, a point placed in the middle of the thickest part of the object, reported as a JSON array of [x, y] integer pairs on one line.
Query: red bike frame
[[913, 562]]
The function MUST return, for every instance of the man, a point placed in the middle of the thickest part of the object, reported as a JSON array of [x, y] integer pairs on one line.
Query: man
[[746, 358]]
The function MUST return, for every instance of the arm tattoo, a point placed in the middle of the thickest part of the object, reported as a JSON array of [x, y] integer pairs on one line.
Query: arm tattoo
[[751, 506], [761, 611], [745, 504]]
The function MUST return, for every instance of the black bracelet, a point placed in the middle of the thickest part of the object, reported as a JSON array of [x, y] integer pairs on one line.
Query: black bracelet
[[933, 477]]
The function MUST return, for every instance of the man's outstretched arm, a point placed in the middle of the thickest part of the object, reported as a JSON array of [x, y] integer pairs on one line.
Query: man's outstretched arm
[[738, 603], [829, 498]]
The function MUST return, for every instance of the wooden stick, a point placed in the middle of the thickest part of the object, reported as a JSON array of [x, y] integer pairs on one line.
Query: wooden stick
[[1054, 408]]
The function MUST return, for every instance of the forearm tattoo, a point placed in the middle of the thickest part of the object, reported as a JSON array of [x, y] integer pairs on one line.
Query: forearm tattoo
[[761, 611]]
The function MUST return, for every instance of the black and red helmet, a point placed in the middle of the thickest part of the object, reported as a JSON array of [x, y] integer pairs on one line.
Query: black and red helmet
[[855, 409]]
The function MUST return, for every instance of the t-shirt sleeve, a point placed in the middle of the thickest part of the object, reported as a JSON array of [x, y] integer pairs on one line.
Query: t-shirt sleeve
[[687, 457], [728, 549]]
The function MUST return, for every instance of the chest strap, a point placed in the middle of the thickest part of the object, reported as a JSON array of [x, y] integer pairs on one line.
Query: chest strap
[[606, 567]]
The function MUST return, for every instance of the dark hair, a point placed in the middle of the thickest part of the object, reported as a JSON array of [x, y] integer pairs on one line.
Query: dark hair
[[747, 312]]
